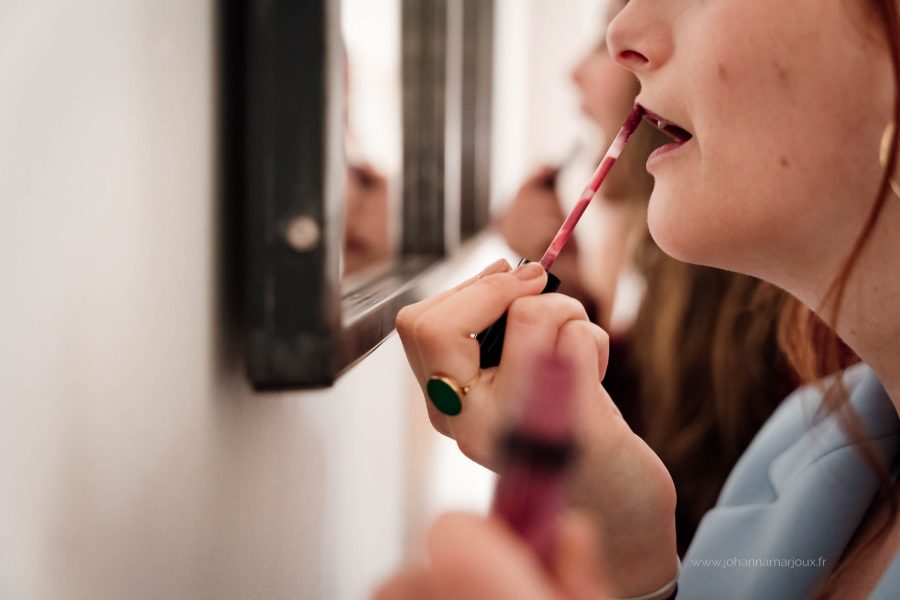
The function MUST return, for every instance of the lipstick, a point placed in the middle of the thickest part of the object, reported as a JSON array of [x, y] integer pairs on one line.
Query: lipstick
[[679, 135], [491, 339], [590, 190], [535, 457]]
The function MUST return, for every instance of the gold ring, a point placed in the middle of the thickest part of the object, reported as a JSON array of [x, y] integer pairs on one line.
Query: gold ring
[[446, 393]]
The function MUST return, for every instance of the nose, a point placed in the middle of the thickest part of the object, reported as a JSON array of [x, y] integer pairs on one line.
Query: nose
[[577, 73], [639, 38]]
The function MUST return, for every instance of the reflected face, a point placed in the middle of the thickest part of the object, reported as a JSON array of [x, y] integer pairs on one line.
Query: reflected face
[[786, 103], [607, 90], [373, 133]]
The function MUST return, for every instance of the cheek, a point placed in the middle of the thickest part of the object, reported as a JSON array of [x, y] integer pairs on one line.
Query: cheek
[[788, 118], [769, 210], [730, 197]]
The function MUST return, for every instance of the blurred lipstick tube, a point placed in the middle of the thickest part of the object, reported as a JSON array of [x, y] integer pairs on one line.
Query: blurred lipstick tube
[[535, 456]]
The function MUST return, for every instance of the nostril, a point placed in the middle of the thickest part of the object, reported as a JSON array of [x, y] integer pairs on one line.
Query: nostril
[[630, 56]]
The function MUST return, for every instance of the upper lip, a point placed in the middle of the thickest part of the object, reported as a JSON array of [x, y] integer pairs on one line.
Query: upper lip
[[670, 128]]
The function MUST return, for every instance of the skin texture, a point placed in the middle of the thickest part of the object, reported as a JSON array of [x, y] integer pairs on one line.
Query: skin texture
[[502, 569], [787, 103], [632, 519], [771, 165]]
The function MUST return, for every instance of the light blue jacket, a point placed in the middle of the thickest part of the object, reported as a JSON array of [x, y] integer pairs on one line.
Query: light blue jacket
[[793, 501]]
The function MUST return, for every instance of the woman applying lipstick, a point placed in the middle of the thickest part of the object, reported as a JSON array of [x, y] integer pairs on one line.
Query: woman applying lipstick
[[696, 371], [786, 105]]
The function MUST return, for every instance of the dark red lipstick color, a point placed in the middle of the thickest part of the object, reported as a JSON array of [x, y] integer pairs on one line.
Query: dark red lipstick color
[[535, 457], [590, 190], [491, 340]]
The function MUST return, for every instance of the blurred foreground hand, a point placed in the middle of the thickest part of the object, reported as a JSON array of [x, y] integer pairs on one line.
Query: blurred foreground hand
[[471, 557]]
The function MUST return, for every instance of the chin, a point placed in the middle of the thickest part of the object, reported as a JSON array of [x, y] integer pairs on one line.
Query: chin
[[693, 234], [683, 231]]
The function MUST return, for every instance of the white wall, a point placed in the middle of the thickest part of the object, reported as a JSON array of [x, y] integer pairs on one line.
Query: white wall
[[536, 105], [134, 460]]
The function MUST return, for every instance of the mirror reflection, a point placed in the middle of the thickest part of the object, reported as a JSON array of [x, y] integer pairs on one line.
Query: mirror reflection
[[373, 135]]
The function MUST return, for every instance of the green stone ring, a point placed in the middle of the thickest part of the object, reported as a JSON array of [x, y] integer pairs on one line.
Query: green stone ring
[[446, 394]]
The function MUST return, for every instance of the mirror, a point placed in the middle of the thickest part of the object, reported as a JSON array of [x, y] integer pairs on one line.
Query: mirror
[[373, 136], [356, 140]]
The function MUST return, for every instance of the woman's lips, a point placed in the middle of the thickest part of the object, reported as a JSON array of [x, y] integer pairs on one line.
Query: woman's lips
[[661, 151], [674, 131]]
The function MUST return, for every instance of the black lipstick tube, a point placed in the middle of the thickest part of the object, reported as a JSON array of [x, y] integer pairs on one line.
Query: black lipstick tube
[[491, 339]]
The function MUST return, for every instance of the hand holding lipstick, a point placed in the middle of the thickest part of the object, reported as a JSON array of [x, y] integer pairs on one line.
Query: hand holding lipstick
[[473, 557], [621, 485]]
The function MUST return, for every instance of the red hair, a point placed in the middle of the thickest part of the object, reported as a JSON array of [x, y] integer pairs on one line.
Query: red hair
[[814, 352]]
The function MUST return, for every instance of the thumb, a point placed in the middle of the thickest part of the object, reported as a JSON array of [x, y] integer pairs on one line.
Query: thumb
[[577, 558], [474, 557]]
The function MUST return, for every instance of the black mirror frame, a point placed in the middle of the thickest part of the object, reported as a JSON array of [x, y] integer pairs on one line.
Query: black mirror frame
[[304, 328]]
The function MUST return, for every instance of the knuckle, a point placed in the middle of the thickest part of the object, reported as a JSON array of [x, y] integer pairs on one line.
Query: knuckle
[[599, 333], [580, 330], [532, 310], [406, 321], [604, 338], [426, 333], [584, 334], [569, 305], [527, 311], [496, 284]]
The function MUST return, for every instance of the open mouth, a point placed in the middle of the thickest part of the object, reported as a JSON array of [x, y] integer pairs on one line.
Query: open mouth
[[679, 134]]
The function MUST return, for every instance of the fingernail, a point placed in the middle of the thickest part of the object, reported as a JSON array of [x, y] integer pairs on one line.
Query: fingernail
[[529, 271], [494, 267]]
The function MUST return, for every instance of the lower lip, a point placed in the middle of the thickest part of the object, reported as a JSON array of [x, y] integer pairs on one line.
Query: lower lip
[[664, 152]]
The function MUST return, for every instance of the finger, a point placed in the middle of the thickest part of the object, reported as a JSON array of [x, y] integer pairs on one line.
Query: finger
[[480, 304], [411, 312], [477, 558], [409, 316], [407, 323], [576, 559], [544, 326], [413, 584], [443, 339], [532, 328], [442, 334], [586, 346]]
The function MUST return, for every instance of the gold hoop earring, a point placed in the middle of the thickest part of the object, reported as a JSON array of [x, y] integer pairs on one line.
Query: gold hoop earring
[[886, 139]]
